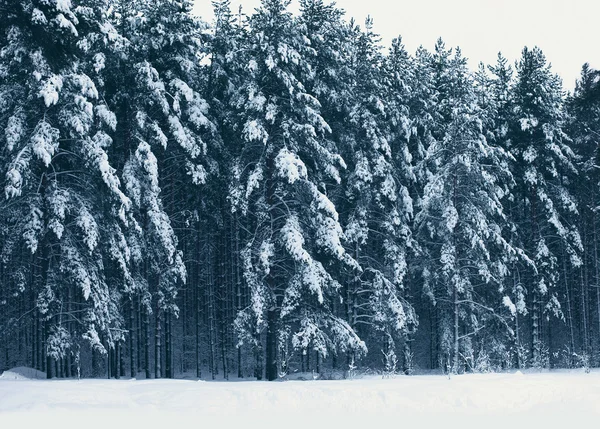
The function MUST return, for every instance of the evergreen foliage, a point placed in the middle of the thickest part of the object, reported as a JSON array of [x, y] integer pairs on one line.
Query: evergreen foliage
[[276, 193]]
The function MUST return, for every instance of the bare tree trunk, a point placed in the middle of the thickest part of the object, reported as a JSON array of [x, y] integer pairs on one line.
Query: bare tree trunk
[[132, 339], [456, 325], [158, 344], [455, 289], [122, 358], [535, 315], [238, 289], [318, 365], [41, 365], [271, 345], [109, 359], [198, 322], [517, 328], [168, 341], [117, 355], [597, 273], [184, 315], [210, 290], [139, 326], [198, 319], [147, 342], [584, 321], [569, 313]]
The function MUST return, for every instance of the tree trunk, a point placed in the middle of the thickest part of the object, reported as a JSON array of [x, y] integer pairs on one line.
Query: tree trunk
[[147, 343], [132, 339], [117, 355], [535, 316], [139, 332], [211, 314], [168, 352], [455, 287], [456, 332], [271, 345], [198, 317], [158, 344], [238, 289], [597, 273], [569, 313]]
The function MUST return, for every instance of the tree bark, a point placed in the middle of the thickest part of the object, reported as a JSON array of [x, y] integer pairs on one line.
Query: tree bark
[[271, 345], [132, 338], [158, 344], [147, 343]]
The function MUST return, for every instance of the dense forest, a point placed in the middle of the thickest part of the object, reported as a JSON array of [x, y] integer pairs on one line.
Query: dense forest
[[279, 193]]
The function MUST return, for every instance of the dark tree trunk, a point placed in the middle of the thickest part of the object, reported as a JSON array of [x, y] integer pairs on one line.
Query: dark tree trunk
[[168, 339], [271, 345], [147, 343], [132, 338], [158, 344]]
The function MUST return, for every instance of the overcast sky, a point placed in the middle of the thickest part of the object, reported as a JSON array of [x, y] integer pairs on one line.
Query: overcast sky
[[568, 31]]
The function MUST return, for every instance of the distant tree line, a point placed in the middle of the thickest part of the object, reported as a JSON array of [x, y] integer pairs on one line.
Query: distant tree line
[[276, 194]]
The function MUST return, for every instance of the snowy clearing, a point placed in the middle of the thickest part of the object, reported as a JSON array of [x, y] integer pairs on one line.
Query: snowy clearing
[[493, 400]]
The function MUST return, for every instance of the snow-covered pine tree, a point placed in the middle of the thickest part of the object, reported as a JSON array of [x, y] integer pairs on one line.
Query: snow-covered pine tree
[[583, 108], [460, 217], [62, 193], [543, 170], [163, 131], [403, 110], [226, 73], [294, 253], [378, 203]]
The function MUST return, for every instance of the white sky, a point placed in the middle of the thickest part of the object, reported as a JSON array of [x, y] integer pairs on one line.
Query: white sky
[[568, 31]]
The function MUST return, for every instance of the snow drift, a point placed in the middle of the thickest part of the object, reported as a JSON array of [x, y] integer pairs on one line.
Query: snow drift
[[22, 373], [470, 401]]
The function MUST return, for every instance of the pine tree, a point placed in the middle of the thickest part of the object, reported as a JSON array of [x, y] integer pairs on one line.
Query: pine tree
[[295, 248], [583, 108], [63, 193], [543, 170], [380, 207], [460, 216], [163, 132]]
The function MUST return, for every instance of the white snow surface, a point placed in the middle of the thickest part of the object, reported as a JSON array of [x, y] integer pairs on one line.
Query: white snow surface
[[530, 400], [22, 373]]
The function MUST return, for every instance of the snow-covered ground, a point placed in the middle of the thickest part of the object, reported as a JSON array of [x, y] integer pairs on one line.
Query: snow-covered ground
[[541, 400]]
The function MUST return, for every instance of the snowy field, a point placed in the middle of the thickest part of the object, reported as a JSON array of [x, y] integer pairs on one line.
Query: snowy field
[[540, 400]]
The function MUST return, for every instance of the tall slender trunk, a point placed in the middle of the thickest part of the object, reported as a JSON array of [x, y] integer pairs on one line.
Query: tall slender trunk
[[109, 361], [197, 313], [132, 339], [584, 282], [455, 287], [535, 315], [597, 272], [139, 333], [210, 290], [569, 313], [271, 345], [40, 342], [117, 355], [198, 321], [158, 344], [147, 342], [184, 318], [318, 364], [67, 359], [517, 328], [238, 288], [168, 342], [584, 321]]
